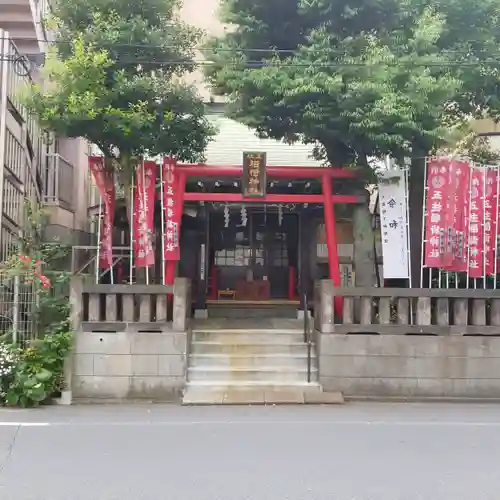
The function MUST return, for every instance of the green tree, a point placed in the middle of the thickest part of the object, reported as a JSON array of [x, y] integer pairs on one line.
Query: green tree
[[359, 78], [114, 77]]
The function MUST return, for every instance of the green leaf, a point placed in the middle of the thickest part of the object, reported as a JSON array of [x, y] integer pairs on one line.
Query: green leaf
[[29, 382], [12, 398], [358, 79], [37, 393], [115, 81], [43, 375]]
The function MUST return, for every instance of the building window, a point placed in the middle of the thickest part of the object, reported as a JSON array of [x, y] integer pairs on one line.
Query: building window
[[279, 250], [238, 257], [14, 156]]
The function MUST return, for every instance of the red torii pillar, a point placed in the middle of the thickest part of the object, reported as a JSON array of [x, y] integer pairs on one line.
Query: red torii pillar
[[331, 237]]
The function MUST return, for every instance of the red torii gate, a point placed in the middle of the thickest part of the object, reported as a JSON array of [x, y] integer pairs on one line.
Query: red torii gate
[[183, 171]]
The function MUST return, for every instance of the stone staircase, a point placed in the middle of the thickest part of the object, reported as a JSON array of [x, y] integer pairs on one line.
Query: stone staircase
[[250, 366]]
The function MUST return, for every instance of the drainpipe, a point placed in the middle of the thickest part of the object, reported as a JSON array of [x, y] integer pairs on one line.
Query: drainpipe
[[4, 68]]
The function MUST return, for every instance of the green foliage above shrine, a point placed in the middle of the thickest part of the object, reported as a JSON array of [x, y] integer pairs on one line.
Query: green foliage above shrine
[[114, 78], [358, 79]]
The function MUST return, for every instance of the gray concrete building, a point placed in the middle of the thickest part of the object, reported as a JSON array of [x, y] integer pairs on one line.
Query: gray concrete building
[[36, 166], [48, 170]]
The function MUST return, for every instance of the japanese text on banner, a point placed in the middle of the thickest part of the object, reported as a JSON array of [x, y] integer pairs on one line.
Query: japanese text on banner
[[457, 230], [144, 201], [394, 227], [476, 221], [105, 184], [491, 219], [172, 217], [436, 208]]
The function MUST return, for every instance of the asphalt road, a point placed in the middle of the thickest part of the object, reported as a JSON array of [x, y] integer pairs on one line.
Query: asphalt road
[[354, 452]]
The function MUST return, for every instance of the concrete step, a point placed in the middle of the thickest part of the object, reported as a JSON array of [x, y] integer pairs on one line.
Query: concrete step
[[250, 373], [243, 385], [250, 348], [234, 394], [235, 360], [238, 310], [248, 336], [236, 397]]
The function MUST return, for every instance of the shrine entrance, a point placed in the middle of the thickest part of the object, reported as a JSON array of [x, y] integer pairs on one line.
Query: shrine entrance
[[250, 257], [254, 231]]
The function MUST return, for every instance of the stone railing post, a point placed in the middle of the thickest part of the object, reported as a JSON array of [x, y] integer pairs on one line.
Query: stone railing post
[[326, 312], [317, 306], [182, 304], [76, 304]]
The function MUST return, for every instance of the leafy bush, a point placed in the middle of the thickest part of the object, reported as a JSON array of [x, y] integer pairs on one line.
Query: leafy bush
[[9, 359], [33, 375], [31, 372]]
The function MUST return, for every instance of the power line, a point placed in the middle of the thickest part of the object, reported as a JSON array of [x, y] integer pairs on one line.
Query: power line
[[214, 50], [253, 64], [262, 64]]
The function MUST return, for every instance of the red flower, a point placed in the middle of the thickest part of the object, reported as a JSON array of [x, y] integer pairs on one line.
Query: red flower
[[44, 280]]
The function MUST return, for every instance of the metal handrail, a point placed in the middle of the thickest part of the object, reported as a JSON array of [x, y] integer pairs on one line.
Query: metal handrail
[[307, 338]]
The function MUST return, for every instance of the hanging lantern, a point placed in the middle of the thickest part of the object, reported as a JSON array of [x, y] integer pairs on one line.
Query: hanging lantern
[[226, 216], [244, 216], [280, 214]]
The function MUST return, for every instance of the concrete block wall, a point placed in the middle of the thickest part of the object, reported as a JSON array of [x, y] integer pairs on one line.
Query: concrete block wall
[[129, 364], [410, 366]]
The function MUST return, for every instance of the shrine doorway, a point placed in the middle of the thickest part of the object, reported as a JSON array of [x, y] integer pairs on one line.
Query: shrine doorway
[[250, 259]]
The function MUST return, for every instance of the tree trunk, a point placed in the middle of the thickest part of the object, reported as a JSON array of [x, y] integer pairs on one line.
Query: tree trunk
[[415, 200], [364, 245]]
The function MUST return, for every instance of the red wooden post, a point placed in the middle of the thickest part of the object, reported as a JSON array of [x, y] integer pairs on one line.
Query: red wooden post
[[170, 267], [331, 238]]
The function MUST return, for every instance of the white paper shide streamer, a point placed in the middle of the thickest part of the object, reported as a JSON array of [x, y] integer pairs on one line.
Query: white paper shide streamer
[[244, 216]]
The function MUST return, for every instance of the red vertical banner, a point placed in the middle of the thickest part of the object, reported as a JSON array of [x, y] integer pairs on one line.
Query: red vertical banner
[[105, 184], [457, 232], [436, 211], [491, 219], [476, 221], [171, 210], [449, 205], [144, 204]]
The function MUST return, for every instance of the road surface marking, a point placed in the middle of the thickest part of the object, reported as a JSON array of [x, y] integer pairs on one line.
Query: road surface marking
[[146, 423], [24, 424]]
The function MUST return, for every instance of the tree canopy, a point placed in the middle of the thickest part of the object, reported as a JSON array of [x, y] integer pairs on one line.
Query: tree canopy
[[358, 78], [114, 78]]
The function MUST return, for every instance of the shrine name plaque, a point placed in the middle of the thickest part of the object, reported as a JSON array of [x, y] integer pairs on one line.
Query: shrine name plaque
[[254, 175]]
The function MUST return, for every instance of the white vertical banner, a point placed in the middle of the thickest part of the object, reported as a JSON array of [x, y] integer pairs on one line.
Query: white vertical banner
[[394, 223]]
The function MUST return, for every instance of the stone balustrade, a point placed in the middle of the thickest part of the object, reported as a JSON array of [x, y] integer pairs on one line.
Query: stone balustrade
[[126, 346], [400, 311], [408, 343]]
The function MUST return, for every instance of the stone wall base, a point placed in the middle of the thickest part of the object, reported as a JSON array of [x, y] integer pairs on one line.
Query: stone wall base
[[129, 365], [404, 366]]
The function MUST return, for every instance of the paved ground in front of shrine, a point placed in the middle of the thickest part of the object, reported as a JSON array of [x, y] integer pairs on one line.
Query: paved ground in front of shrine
[[357, 451]]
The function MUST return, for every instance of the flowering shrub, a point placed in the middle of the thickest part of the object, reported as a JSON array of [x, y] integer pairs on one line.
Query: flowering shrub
[[9, 358], [33, 375], [32, 371], [32, 269]]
